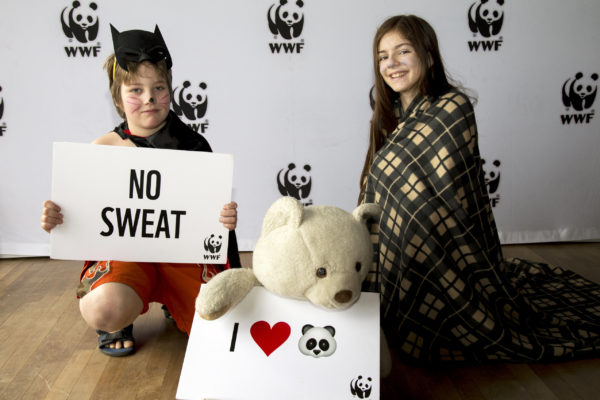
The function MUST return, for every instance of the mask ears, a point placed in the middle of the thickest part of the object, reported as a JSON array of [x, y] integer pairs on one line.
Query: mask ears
[[115, 36]]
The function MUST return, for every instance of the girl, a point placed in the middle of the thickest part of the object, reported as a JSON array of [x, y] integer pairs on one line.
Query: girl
[[446, 292]]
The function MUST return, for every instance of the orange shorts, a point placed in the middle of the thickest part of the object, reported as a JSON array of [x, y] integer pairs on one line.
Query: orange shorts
[[174, 285]]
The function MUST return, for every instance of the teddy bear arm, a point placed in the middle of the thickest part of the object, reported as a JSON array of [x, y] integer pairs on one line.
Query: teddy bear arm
[[224, 291]]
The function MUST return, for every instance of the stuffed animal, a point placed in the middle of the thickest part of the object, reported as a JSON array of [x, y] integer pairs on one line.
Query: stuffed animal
[[318, 253]]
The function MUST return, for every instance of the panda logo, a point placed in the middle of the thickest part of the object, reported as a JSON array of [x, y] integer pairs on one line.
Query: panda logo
[[486, 17], [213, 243], [294, 182], [287, 19], [361, 387], [492, 177], [317, 342], [190, 100], [580, 92], [80, 22]]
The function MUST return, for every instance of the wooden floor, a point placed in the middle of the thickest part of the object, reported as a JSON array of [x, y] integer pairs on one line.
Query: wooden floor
[[48, 352]]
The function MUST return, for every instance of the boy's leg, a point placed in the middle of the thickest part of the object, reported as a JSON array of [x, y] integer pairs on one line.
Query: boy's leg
[[178, 286], [111, 307], [113, 294]]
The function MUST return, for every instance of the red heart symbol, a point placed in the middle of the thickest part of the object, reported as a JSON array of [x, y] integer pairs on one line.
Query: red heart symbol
[[267, 338]]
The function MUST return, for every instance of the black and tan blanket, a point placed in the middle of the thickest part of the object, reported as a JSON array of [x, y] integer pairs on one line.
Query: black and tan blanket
[[446, 292]]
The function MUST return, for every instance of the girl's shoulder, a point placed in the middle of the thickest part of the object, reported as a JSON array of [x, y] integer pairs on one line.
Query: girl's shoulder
[[456, 96], [454, 101]]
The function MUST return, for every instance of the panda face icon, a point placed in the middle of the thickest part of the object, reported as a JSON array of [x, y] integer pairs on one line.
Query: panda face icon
[[486, 17], [83, 16], [286, 18], [580, 92], [190, 100], [584, 89], [290, 13], [294, 182], [317, 342], [194, 95], [299, 178], [80, 21], [490, 11], [361, 387], [213, 243]]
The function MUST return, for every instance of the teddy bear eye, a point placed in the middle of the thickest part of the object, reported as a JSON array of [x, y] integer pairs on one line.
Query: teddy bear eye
[[321, 272], [358, 266]]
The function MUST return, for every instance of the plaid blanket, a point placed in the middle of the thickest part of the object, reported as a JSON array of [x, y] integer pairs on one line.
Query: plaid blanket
[[446, 291]]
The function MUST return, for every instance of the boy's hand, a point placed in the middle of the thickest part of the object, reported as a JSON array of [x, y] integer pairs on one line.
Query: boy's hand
[[51, 216], [229, 215]]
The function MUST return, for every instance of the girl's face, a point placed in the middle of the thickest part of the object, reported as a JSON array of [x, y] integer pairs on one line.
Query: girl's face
[[145, 100], [400, 66]]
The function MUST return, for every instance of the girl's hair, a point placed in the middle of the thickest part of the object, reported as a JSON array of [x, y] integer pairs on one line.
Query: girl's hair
[[384, 100], [117, 76]]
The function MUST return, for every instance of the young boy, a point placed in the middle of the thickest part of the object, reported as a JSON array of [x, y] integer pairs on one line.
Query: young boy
[[113, 293]]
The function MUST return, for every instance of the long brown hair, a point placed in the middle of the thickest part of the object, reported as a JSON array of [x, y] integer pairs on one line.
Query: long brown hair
[[384, 100]]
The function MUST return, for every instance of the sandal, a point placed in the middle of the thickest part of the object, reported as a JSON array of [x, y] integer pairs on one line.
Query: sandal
[[168, 315], [106, 338]]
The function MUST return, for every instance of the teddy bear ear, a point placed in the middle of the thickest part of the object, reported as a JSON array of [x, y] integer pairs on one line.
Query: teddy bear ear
[[366, 211], [284, 211]]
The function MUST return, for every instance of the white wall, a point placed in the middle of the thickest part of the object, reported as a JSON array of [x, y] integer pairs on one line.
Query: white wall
[[311, 106]]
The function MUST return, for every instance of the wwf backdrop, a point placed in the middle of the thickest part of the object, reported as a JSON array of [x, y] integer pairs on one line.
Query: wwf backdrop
[[291, 103]]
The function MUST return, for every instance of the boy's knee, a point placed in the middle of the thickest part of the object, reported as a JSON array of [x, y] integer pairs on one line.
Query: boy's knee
[[110, 308], [98, 316]]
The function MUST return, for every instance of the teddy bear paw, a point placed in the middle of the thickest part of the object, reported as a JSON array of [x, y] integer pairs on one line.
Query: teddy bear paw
[[211, 315]]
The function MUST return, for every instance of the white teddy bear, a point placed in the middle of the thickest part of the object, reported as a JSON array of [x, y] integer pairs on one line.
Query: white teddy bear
[[317, 253]]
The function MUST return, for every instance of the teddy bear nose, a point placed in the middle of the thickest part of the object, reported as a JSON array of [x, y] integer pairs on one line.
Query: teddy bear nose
[[343, 296]]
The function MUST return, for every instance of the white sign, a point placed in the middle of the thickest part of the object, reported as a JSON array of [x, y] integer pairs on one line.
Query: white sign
[[269, 347], [140, 204]]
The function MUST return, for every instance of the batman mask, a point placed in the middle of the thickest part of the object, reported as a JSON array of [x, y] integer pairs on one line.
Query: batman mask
[[137, 46]]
